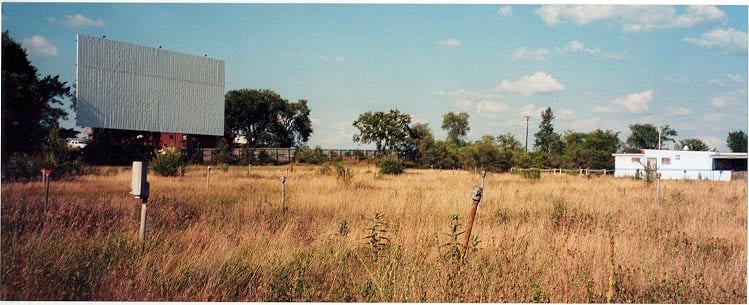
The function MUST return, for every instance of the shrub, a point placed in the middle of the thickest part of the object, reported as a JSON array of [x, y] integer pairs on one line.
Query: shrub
[[264, 157], [311, 156], [532, 173], [167, 162], [221, 154], [390, 165]]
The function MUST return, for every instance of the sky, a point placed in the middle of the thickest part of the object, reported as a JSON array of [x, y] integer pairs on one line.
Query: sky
[[598, 66]]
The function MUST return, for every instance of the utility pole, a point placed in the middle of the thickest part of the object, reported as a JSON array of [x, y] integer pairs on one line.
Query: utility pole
[[526, 133]]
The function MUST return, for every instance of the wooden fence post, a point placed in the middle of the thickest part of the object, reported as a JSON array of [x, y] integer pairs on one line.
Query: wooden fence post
[[208, 179], [283, 192], [45, 180]]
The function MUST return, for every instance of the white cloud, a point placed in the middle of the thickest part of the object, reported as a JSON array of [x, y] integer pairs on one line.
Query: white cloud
[[450, 43], [465, 99], [584, 125], [600, 109], [504, 11], [717, 82], [580, 14], [339, 134], [736, 78], [531, 110], [39, 45], [635, 102], [463, 104], [491, 107], [672, 79], [729, 98], [469, 94], [722, 101], [633, 18], [565, 114], [730, 40], [535, 55], [679, 111], [577, 47], [77, 21], [539, 82], [337, 60], [712, 117]]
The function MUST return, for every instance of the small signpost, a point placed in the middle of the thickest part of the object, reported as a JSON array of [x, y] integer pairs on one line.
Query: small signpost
[[45, 180], [141, 189]]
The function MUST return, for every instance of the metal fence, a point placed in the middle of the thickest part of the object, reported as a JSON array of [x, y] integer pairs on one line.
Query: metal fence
[[581, 171], [281, 155]]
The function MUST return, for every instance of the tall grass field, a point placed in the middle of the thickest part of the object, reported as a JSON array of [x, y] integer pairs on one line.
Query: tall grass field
[[368, 237]]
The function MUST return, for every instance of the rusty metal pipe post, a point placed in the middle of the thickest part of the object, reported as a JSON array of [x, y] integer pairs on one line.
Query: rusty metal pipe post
[[476, 197]]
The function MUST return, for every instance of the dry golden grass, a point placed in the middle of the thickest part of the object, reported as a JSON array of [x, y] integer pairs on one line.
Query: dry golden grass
[[545, 240]]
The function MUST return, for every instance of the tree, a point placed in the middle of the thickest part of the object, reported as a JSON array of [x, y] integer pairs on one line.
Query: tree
[[508, 141], [456, 126], [643, 136], [423, 140], [389, 131], [441, 155], [737, 141], [28, 102], [294, 126], [693, 144], [590, 150], [266, 119], [667, 134], [547, 141]]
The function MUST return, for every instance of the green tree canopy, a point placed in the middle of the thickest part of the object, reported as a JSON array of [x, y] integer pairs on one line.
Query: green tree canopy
[[590, 150], [643, 136], [547, 141], [508, 142], [423, 141], [737, 141], [667, 135], [28, 102], [266, 119], [456, 126], [693, 144], [390, 131]]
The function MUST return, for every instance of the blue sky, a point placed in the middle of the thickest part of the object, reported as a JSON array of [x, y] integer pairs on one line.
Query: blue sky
[[595, 66]]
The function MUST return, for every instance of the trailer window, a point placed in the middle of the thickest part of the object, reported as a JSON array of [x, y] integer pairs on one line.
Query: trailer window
[[635, 160], [665, 161]]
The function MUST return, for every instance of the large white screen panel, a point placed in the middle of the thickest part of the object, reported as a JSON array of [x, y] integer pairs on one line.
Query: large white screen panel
[[126, 86]]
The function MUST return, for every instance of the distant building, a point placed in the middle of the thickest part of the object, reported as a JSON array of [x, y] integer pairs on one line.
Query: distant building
[[172, 139], [682, 164]]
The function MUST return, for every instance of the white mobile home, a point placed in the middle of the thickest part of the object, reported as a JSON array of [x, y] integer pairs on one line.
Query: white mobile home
[[682, 164]]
